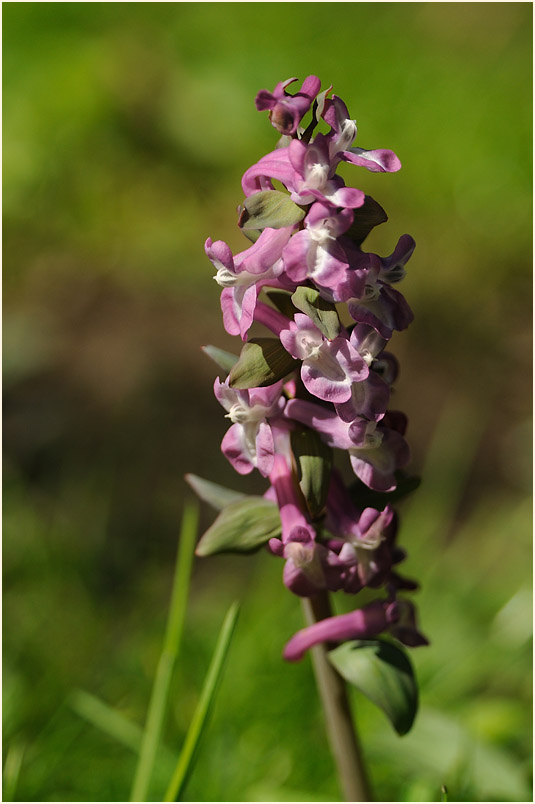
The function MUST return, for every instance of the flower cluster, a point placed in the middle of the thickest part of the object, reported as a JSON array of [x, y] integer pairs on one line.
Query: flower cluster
[[315, 383]]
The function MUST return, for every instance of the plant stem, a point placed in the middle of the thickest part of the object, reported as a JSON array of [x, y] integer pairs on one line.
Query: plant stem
[[340, 727]]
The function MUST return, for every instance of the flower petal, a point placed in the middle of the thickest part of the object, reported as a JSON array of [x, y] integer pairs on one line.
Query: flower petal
[[275, 165], [376, 466], [378, 161], [234, 448], [369, 398], [332, 429], [264, 449]]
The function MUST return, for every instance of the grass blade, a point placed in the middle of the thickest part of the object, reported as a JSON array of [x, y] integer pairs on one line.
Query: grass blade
[[173, 636], [107, 719], [187, 756], [12, 766]]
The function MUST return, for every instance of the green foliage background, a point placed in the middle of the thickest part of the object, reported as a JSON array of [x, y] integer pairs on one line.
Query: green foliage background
[[127, 127]]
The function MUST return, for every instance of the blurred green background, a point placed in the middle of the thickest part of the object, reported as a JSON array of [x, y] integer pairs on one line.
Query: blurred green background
[[127, 127]]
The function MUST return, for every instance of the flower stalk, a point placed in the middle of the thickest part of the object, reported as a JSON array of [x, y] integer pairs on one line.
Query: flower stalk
[[341, 731]]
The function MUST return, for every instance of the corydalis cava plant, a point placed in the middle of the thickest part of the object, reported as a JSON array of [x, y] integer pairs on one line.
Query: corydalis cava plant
[[310, 383]]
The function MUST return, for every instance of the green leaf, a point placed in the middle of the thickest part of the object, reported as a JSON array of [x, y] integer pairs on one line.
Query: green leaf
[[215, 495], [263, 361], [314, 464], [241, 527], [369, 215], [322, 312], [384, 674], [282, 300], [225, 360], [363, 497], [270, 208]]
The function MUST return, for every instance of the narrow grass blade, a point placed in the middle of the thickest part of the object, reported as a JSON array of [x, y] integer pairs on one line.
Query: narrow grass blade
[[12, 766], [173, 636], [106, 719], [187, 756]]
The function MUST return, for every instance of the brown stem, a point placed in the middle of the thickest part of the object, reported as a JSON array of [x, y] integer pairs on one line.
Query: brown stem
[[340, 727]]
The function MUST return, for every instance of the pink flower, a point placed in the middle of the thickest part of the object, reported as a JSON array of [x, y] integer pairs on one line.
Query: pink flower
[[248, 444], [328, 368], [342, 134], [307, 171], [316, 252], [243, 276]]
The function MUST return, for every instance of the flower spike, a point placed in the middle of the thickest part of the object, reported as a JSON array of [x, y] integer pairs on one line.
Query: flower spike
[[324, 385]]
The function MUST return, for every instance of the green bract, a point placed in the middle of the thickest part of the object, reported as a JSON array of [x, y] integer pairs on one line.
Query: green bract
[[241, 527], [212, 493], [314, 463], [225, 360], [263, 361], [282, 300], [321, 312], [369, 215], [270, 208]]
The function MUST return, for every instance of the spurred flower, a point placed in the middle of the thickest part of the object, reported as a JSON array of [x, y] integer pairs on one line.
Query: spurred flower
[[363, 623], [286, 111]]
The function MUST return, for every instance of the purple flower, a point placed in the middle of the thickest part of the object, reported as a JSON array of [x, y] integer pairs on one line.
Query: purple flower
[[363, 623], [375, 451], [286, 111], [370, 551], [329, 367], [393, 267], [314, 176], [370, 397], [249, 441], [381, 306], [384, 309], [405, 628], [363, 540]]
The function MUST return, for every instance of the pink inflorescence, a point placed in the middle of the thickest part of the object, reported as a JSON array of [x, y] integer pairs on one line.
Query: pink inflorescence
[[338, 386]]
